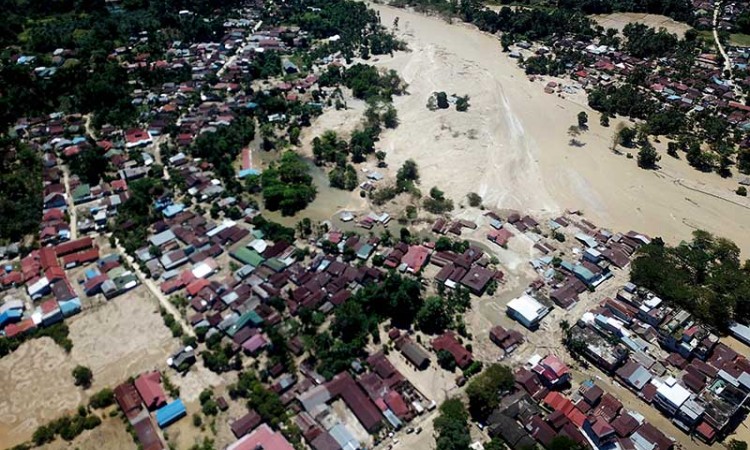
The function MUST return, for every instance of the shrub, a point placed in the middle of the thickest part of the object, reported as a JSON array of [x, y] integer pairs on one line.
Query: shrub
[[742, 190]]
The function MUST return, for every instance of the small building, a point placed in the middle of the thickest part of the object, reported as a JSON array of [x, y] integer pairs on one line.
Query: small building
[[170, 413], [262, 438], [128, 400], [413, 352], [527, 311], [245, 424], [149, 388]]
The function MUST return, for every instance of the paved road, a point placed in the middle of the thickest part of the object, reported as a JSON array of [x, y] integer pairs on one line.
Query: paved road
[[149, 283]]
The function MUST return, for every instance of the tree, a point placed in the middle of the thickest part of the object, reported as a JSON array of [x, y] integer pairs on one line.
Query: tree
[[741, 191], [433, 317], [734, 444], [626, 136], [287, 186], [485, 389], [90, 165], [462, 103], [648, 156], [102, 399], [564, 443], [390, 117], [583, 120], [442, 100], [604, 120], [446, 361], [452, 427], [82, 376]]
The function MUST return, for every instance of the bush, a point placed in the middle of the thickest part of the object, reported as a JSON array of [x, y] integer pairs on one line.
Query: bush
[[475, 200], [462, 103], [742, 190], [473, 369], [43, 435]]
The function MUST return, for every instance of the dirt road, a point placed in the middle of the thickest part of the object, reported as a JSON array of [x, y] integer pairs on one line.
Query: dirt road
[[71, 206], [149, 283]]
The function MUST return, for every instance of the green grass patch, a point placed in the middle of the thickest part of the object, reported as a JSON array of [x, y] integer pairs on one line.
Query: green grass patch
[[739, 39]]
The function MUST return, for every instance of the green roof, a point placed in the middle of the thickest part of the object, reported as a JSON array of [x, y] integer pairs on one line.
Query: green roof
[[248, 256], [116, 272], [257, 234], [249, 318], [275, 264], [83, 190]]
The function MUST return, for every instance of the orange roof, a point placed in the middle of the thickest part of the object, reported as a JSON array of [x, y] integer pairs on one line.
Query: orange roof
[[196, 286]]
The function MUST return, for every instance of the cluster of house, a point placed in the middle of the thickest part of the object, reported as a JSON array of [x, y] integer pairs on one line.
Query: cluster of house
[[51, 296], [375, 393], [668, 359], [597, 253], [726, 19], [380, 398], [142, 397], [538, 411], [706, 88]]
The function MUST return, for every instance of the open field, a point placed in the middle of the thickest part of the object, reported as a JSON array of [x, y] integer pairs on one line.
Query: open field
[[512, 146], [35, 387], [116, 340], [110, 435], [619, 20], [121, 338]]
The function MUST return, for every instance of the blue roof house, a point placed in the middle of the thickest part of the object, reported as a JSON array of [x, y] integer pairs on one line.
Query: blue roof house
[[170, 413]]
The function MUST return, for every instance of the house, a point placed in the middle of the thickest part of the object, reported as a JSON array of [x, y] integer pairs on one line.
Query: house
[[343, 386], [136, 138], [477, 279], [670, 395], [634, 375], [505, 339], [128, 399], [527, 310], [262, 438], [448, 342], [415, 258], [146, 434], [245, 424], [149, 388], [552, 371], [600, 432], [413, 352]]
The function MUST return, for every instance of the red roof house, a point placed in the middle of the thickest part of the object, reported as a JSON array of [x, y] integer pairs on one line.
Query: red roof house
[[149, 388], [449, 343]]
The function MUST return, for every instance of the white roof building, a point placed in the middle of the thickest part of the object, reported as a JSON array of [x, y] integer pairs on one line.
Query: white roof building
[[527, 310]]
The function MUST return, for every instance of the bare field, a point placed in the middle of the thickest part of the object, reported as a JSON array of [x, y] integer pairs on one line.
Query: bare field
[[36, 386], [619, 20], [110, 435], [512, 145], [121, 338]]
